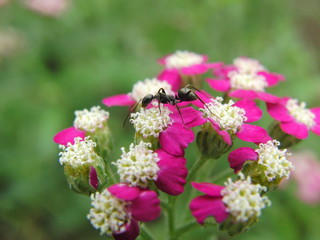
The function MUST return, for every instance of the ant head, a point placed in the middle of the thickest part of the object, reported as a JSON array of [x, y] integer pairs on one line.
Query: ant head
[[186, 94], [146, 100]]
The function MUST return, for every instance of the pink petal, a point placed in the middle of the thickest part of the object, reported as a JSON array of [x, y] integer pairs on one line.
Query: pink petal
[[124, 192], [316, 129], [206, 206], [68, 135], [296, 129], [224, 71], [279, 112], [224, 134], [253, 113], [172, 173], [214, 65], [189, 117], [239, 156], [175, 139], [316, 112], [119, 100], [221, 85], [267, 97], [272, 78], [171, 76], [146, 207], [210, 189], [241, 93], [252, 133], [195, 69], [93, 178], [131, 233]]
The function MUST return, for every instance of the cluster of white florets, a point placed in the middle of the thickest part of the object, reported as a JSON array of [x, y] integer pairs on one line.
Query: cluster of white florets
[[243, 199], [274, 160], [300, 113], [108, 213], [247, 81], [139, 165], [151, 121], [229, 117], [248, 65], [91, 120], [149, 86], [80, 153], [181, 59]]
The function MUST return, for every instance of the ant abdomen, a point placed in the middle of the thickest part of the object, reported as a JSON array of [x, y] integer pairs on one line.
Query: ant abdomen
[[186, 94], [146, 100]]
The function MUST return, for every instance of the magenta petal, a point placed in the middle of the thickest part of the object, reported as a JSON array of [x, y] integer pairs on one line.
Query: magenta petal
[[224, 134], [241, 93], [272, 78], [171, 76], [93, 178], [224, 71], [219, 85], [239, 156], [189, 117], [146, 207], [252, 133], [124, 192], [206, 206], [68, 135], [172, 173], [253, 113], [279, 112], [175, 139], [119, 100], [316, 112], [214, 65], [195, 69], [267, 97], [131, 233], [316, 129], [210, 189], [293, 128]]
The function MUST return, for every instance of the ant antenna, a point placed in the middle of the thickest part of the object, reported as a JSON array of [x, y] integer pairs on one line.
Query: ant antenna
[[131, 110]]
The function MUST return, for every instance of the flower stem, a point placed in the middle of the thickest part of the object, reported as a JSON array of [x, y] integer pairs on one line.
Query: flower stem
[[171, 217], [196, 166], [225, 173], [145, 234], [187, 227]]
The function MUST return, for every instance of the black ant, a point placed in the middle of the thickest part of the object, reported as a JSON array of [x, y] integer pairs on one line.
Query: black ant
[[185, 94]]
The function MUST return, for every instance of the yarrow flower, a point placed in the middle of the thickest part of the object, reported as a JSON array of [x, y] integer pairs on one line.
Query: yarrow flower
[[235, 207], [139, 90], [140, 165], [117, 209], [295, 119], [83, 167], [227, 120], [245, 79], [267, 165]]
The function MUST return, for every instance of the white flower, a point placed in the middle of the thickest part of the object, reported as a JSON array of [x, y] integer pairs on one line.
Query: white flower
[[300, 113], [91, 120], [181, 59]]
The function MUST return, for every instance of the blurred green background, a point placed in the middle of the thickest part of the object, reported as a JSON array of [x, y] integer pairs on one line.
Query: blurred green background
[[52, 66]]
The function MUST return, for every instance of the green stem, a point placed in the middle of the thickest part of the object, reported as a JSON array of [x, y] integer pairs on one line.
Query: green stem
[[225, 173], [171, 217], [187, 227], [144, 234], [196, 166]]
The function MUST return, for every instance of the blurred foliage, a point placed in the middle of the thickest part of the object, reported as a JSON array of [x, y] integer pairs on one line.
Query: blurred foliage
[[99, 48]]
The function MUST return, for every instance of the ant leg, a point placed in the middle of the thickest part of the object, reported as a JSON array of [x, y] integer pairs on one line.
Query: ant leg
[[180, 114], [131, 110]]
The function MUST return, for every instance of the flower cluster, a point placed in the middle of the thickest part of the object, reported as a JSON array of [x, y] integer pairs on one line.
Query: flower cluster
[[168, 113]]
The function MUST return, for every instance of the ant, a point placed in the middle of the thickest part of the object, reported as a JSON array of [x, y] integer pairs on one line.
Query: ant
[[185, 94]]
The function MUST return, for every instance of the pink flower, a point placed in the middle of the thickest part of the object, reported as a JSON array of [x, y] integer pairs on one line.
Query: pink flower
[[140, 90], [140, 165], [48, 7], [307, 176], [295, 119], [228, 120], [246, 78], [210, 204], [117, 210]]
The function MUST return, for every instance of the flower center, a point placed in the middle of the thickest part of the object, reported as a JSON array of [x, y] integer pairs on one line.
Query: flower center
[[229, 118], [274, 160], [300, 113], [80, 153], [151, 121], [91, 120], [138, 165], [149, 86], [243, 199], [109, 214], [248, 65], [181, 59], [247, 81]]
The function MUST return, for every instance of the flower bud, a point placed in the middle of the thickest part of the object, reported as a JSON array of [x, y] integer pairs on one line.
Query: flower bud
[[286, 140], [83, 167]]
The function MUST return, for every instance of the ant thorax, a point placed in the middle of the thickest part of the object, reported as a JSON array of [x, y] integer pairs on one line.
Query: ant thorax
[[149, 86], [151, 121]]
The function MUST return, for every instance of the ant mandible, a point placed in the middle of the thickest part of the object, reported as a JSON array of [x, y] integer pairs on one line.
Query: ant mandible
[[185, 94]]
